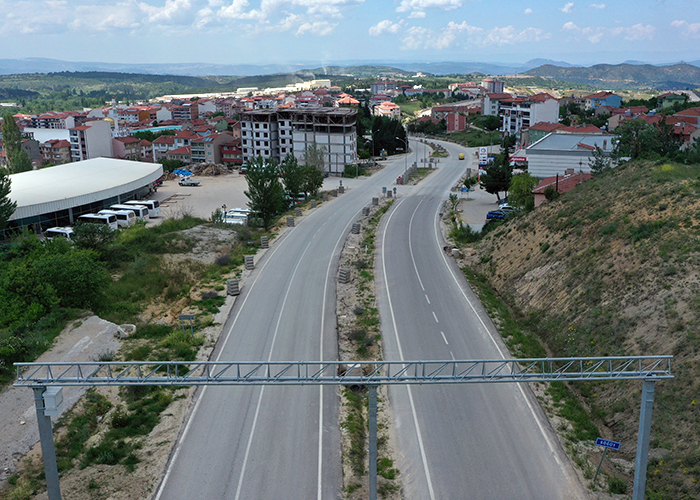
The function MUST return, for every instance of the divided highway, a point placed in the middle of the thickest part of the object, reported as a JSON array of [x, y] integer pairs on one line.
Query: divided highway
[[486, 441]]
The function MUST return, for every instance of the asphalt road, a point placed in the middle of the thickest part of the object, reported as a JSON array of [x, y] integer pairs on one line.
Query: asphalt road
[[276, 442], [485, 441]]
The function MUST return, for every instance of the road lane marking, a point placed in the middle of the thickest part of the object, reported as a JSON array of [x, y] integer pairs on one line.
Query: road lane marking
[[410, 245], [546, 436], [453, 356], [444, 338], [426, 298], [435, 316], [419, 436]]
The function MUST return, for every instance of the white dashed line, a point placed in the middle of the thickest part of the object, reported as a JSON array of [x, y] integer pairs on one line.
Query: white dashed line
[[435, 316], [426, 298], [444, 338]]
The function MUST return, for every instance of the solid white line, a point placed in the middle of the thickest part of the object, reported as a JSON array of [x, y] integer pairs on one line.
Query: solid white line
[[269, 358], [398, 344], [435, 316], [546, 436], [444, 338], [319, 481]]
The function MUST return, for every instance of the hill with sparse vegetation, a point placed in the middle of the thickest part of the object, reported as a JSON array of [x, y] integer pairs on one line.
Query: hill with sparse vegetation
[[612, 268]]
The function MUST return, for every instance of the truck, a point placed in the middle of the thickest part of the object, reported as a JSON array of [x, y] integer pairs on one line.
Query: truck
[[188, 181]]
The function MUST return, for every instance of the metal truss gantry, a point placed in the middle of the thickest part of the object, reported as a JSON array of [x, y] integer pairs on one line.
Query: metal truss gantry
[[371, 374]]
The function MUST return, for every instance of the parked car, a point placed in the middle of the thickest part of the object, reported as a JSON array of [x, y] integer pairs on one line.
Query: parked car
[[188, 181], [235, 218], [243, 168], [496, 215], [503, 201], [507, 208]]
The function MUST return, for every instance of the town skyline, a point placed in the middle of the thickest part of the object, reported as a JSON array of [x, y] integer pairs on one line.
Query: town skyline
[[318, 32]]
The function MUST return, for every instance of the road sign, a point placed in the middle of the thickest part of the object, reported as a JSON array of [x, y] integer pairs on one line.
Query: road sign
[[483, 154], [613, 445]]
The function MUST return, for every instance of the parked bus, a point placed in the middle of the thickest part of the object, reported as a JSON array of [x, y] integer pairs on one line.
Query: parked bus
[[152, 205], [125, 218], [108, 220], [140, 211]]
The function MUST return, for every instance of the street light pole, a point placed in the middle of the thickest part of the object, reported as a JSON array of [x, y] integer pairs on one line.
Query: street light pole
[[405, 158]]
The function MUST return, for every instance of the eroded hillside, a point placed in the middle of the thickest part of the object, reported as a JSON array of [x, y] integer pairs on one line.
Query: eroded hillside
[[613, 268]]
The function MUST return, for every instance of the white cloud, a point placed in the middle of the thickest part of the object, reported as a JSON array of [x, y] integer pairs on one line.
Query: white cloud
[[568, 8], [596, 35], [686, 29], [509, 35], [599, 6], [170, 10], [421, 5], [527, 11], [385, 26], [417, 14], [320, 28]]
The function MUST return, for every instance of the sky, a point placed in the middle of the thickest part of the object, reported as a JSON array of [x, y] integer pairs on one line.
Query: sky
[[332, 31]]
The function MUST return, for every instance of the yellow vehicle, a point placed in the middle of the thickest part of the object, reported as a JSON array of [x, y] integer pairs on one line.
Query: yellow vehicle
[[461, 156]]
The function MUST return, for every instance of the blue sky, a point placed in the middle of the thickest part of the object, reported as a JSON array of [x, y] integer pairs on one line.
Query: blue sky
[[328, 31]]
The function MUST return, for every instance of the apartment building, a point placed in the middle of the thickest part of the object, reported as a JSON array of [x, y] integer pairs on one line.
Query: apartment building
[[520, 112], [492, 85], [53, 120], [207, 149], [91, 140], [274, 134], [56, 151], [492, 103], [127, 148]]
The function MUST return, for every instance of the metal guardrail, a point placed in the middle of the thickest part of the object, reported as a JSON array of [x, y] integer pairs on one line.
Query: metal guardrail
[[343, 373]]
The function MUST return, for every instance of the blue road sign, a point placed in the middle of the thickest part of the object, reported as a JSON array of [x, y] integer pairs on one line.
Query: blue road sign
[[613, 445]]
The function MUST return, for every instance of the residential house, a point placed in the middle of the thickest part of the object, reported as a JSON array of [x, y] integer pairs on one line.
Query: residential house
[[53, 120], [690, 115], [560, 183], [180, 154], [162, 146], [388, 109], [56, 151], [231, 153], [207, 149], [33, 150], [537, 131], [147, 152], [380, 87], [127, 148], [668, 99], [594, 101]]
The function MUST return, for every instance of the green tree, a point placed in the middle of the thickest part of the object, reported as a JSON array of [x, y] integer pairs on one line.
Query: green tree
[[498, 176], [90, 236], [292, 174], [7, 206], [520, 191], [635, 139], [599, 161], [313, 180], [17, 158], [314, 156], [265, 190]]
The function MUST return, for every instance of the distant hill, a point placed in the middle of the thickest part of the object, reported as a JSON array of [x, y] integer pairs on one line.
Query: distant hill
[[626, 76]]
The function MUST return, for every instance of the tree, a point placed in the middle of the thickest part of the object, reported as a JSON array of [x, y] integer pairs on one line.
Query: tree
[[292, 175], [313, 180], [599, 162], [314, 156], [91, 236], [520, 191], [17, 158], [636, 138], [498, 176], [7, 206], [265, 190]]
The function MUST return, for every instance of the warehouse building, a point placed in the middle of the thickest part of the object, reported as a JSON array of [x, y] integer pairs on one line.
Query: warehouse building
[[57, 196]]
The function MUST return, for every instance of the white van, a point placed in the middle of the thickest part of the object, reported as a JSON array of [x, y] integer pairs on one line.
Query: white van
[[108, 220], [125, 218], [59, 232], [232, 217], [140, 211], [152, 205]]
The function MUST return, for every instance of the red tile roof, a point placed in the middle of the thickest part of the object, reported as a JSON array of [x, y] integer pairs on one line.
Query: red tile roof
[[565, 184], [545, 126]]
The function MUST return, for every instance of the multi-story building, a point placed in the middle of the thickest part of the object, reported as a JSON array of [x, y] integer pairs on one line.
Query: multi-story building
[[492, 104], [162, 145], [127, 148], [594, 101], [274, 134], [56, 151], [91, 140], [207, 149], [492, 86], [520, 112], [53, 120], [231, 153]]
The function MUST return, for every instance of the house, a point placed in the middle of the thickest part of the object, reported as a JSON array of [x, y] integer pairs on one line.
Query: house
[[127, 148], [231, 153], [605, 98], [389, 109], [181, 154], [207, 149], [537, 132], [690, 115], [668, 99], [556, 153], [147, 151], [561, 184], [56, 151], [162, 146]]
